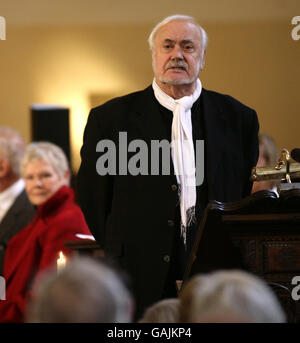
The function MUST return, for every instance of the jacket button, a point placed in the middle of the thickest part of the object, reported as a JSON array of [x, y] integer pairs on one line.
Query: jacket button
[[174, 188], [167, 258], [170, 223]]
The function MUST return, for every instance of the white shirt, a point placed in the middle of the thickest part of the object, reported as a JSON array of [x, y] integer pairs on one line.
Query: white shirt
[[8, 197]]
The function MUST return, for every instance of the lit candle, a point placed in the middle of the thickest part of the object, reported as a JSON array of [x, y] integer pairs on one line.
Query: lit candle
[[61, 262]]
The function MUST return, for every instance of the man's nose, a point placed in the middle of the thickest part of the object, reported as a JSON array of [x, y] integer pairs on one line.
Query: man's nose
[[177, 53]]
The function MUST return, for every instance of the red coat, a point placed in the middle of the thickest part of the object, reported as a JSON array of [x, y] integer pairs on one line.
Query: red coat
[[36, 248]]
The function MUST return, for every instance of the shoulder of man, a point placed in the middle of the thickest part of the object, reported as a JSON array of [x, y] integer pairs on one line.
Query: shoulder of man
[[227, 101], [122, 104]]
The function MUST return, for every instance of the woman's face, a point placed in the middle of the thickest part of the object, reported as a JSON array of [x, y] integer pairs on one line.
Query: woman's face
[[41, 181]]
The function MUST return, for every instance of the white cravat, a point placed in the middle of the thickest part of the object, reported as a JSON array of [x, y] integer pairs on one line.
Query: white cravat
[[182, 150]]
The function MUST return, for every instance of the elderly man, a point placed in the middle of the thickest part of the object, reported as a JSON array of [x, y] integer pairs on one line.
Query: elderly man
[[15, 209], [146, 221]]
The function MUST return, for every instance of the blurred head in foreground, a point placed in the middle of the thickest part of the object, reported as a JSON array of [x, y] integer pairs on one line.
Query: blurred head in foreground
[[229, 297], [164, 311], [85, 291]]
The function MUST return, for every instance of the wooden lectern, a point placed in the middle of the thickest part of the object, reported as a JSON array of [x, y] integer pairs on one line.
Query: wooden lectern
[[259, 234]]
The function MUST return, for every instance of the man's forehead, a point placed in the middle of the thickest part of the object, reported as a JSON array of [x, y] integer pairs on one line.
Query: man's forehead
[[179, 30], [184, 41]]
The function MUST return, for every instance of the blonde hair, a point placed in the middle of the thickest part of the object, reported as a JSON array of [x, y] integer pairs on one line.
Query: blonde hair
[[48, 152]]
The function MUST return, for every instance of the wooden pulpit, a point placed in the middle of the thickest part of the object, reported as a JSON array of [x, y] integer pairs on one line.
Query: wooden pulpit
[[259, 234]]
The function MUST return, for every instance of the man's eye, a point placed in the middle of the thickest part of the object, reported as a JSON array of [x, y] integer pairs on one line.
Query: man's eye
[[188, 47], [167, 46]]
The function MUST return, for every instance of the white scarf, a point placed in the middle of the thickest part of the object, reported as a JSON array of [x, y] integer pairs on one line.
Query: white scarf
[[182, 150]]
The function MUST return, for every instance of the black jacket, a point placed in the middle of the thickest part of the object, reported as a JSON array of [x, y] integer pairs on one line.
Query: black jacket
[[132, 217], [17, 217]]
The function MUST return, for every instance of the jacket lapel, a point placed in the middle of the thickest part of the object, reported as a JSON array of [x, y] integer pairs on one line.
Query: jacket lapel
[[146, 117], [148, 123]]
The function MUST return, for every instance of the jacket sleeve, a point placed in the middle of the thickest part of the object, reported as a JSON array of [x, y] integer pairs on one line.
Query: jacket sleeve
[[94, 191], [251, 150]]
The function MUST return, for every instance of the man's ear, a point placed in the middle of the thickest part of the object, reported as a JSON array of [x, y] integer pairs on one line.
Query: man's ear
[[4, 167], [203, 60]]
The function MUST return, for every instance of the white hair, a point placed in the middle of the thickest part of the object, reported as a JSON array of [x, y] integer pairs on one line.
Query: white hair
[[12, 147], [85, 291], [48, 152], [163, 311], [229, 296], [204, 38]]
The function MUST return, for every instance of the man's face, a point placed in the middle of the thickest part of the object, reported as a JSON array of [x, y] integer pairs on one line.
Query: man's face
[[177, 50]]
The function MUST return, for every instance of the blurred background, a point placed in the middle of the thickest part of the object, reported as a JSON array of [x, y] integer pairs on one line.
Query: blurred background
[[80, 53]]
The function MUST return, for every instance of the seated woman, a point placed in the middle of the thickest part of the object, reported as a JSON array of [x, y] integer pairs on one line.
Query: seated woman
[[58, 219]]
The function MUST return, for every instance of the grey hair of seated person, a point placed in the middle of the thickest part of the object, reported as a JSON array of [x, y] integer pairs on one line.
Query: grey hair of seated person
[[229, 296], [85, 291], [163, 311], [12, 148], [48, 152]]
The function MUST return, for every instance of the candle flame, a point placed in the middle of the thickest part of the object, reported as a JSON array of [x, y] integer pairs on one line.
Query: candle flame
[[61, 261]]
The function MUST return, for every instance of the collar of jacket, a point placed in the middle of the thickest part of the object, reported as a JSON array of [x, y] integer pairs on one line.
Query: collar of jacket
[[63, 194], [149, 121]]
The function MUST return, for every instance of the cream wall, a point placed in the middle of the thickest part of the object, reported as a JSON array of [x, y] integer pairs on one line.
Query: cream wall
[[256, 62], [259, 64]]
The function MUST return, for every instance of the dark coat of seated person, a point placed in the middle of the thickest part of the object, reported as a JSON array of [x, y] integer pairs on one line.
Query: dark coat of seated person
[[16, 211], [58, 219]]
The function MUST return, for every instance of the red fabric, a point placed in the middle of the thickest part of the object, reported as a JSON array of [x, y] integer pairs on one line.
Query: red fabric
[[36, 248]]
